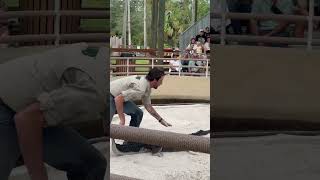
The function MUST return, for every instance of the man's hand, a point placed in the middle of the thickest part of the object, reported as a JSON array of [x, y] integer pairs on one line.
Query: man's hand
[[165, 123]]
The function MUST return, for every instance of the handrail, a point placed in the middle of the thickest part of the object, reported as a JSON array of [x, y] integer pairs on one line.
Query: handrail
[[263, 16], [128, 65], [264, 39]]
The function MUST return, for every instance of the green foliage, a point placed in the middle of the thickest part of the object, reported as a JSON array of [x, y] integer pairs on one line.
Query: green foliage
[[12, 3], [177, 19], [95, 3]]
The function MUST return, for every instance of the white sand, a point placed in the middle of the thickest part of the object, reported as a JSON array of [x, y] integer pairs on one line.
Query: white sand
[[173, 165]]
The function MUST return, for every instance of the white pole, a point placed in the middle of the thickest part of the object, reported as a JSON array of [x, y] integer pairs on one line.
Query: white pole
[[57, 22], [129, 24], [152, 62], [145, 24], [124, 25], [127, 66]]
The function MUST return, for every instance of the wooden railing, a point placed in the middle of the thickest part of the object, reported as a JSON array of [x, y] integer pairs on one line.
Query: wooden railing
[[57, 36]]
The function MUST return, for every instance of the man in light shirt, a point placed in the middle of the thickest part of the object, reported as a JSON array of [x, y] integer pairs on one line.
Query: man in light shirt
[[124, 90], [40, 95]]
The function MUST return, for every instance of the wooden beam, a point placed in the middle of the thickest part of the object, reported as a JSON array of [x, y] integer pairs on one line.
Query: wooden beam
[[161, 18]]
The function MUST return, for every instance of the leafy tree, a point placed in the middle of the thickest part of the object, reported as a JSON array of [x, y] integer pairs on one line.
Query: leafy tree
[[177, 19]]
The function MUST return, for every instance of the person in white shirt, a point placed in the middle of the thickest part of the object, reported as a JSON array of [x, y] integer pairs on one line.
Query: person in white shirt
[[175, 64], [124, 90]]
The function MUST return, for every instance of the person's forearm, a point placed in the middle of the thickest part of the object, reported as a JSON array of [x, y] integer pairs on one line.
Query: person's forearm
[[119, 106], [29, 130], [152, 111], [280, 27]]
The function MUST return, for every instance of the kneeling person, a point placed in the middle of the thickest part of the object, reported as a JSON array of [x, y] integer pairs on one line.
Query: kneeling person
[[123, 91]]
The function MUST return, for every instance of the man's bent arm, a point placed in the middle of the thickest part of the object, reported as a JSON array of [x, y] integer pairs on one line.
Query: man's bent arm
[[119, 100], [29, 124], [152, 111]]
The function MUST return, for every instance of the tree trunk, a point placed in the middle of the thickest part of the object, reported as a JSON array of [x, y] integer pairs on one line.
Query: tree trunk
[[145, 24], [161, 27], [124, 27], [193, 10], [129, 24], [154, 24]]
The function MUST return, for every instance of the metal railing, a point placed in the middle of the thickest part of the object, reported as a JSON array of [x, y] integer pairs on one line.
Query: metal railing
[[154, 63], [193, 30], [309, 41]]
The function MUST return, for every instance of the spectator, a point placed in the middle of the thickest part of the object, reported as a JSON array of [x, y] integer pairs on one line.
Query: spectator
[[191, 45], [198, 48], [185, 62], [193, 65], [175, 64], [270, 27], [207, 31], [201, 37], [240, 6], [215, 23]]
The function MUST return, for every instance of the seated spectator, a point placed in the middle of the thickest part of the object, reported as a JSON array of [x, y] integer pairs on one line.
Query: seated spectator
[[175, 64], [3, 23], [207, 31], [201, 37], [206, 46], [185, 62], [271, 27], [215, 23], [240, 6], [193, 66], [198, 48], [191, 45]]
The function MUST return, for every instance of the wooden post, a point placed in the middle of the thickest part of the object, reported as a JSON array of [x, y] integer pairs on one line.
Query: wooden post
[[161, 27], [154, 24], [124, 24], [46, 25]]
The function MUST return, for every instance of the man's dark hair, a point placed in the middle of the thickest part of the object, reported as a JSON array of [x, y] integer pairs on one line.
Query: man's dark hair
[[155, 73]]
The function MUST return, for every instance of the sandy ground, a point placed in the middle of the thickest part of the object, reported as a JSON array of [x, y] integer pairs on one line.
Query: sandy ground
[[277, 157], [173, 165]]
